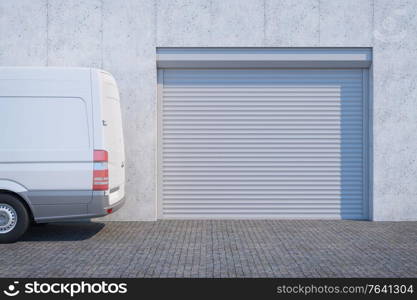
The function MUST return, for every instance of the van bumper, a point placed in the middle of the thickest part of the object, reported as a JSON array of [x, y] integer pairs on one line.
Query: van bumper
[[115, 206], [100, 207]]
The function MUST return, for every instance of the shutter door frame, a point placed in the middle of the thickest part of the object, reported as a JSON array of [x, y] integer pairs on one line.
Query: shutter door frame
[[366, 127]]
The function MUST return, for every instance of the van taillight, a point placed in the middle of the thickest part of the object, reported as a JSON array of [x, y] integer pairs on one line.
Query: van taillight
[[101, 171]]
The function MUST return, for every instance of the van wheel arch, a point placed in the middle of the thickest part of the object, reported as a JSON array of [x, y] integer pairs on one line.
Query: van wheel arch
[[22, 200]]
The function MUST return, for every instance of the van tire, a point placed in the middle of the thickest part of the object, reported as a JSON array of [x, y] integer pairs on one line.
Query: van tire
[[22, 222]]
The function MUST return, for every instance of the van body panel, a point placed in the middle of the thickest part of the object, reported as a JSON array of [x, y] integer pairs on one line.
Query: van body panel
[[97, 120], [97, 207], [61, 211], [47, 197], [116, 194], [46, 175], [12, 186], [113, 135], [51, 123], [27, 126]]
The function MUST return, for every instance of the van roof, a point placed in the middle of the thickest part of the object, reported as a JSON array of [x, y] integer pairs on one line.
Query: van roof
[[46, 72]]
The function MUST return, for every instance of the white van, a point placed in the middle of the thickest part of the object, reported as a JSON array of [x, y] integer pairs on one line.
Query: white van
[[61, 146]]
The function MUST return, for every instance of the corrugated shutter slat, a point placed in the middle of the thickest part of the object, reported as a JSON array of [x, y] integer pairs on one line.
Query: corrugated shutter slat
[[262, 143]]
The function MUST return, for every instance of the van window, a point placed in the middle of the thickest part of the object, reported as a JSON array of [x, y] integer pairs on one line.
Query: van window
[[43, 123]]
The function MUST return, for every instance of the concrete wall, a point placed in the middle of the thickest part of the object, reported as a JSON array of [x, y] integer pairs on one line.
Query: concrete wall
[[121, 37]]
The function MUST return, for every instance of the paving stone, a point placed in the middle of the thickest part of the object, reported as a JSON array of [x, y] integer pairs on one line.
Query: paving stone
[[215, 248]]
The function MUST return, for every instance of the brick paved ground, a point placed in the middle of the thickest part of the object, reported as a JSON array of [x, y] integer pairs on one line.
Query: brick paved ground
[[238, 248]]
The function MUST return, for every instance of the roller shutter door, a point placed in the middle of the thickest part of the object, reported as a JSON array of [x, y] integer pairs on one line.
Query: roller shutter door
[[262, 143]]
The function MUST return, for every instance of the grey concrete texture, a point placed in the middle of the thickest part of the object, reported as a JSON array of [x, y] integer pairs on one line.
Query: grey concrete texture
[[122, 36], [214, 248]]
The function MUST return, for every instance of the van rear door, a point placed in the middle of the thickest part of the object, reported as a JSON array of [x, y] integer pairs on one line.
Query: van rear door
[[113, 135]]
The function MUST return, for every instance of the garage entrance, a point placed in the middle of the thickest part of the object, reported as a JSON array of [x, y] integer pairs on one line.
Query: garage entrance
[[263, 143]]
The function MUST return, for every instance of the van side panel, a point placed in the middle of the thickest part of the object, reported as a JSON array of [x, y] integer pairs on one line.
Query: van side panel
[[44, 129], [44, 175], [47, 138], [43, 124]]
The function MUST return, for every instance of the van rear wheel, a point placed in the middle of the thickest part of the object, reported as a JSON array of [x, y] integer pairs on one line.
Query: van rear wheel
[[14, 218]]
